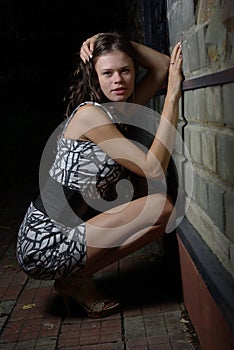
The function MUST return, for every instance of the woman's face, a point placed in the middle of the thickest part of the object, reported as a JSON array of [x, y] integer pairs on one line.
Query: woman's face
[[116, 75]]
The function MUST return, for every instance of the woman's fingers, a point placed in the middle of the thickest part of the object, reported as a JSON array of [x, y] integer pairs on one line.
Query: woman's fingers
[[91, 45], [175, 71], [176, 55], [176, 59], [87, 49]]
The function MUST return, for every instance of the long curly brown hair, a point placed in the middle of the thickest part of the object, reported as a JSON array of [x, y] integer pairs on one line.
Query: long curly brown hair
[[84, 83]]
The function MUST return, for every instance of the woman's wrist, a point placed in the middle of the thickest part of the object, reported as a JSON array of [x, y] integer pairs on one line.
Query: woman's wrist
[[172, 98]]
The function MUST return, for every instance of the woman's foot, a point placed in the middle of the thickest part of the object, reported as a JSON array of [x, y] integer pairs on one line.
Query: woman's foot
[[84, 291]]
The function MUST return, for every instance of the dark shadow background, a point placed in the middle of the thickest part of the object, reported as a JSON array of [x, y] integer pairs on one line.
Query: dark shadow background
[[38, 43], [39, 40]]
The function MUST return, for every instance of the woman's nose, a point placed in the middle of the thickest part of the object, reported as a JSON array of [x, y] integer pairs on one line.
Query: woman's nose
[[117, 77]]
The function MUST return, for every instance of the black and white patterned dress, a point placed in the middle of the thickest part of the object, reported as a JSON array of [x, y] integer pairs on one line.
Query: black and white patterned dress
[[51, 240]]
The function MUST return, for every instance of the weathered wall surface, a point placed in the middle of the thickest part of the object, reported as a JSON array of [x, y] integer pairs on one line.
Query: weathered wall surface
[[206, 28]]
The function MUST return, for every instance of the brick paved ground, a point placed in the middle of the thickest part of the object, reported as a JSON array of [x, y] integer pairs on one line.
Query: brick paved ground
[[32, 316]]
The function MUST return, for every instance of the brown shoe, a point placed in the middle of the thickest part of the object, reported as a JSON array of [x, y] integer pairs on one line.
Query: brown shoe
[[84, 291]]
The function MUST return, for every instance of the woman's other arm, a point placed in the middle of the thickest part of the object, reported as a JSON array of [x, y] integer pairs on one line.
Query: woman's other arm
[[164, 140], [156, 65]]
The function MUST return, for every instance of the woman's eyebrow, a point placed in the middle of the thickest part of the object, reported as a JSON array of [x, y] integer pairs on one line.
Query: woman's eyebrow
[[125, 66]]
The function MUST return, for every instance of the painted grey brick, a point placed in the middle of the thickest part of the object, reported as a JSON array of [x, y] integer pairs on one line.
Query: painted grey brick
[[188, 14], [187, 138], [209, 134], [189, 178], [210, 232], [195, 105], [186, 70], [225, 151], [175, 25], [193, 52], [171, 4], [216, 204], [201, 190], [203, 57], [208, 142], [228, 104], [195, 145], [214, 105], [229, 208], [189, 105], [200, 105]]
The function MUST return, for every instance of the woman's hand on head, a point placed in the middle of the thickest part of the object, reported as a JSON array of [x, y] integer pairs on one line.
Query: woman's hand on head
[[175, 73], [87, 47]]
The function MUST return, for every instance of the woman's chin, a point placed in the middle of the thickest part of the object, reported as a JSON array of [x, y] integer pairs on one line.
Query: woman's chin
[[119, 99]]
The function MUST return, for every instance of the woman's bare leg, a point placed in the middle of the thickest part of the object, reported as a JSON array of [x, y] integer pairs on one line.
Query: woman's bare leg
[[114, 235], [111, 236]]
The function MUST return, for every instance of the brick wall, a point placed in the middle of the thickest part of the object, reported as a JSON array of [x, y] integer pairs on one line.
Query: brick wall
[[206, 28]]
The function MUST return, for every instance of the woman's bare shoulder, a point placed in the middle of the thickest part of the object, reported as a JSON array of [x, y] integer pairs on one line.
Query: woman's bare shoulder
[[91, 114], [87, 117]]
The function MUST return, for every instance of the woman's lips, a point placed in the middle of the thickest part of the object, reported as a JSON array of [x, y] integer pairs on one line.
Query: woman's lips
[[119, 91]]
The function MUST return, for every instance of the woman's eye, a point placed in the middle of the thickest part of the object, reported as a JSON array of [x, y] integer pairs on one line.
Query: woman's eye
[[106, 73]]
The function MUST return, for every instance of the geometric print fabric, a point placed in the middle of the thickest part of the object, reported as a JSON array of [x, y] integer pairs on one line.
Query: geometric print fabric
[[47, 249]]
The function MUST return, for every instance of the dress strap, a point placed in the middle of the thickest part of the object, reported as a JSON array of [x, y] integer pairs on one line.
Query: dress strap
[[110, 115]]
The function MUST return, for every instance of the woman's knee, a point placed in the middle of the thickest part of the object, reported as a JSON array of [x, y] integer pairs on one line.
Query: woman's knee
[[167, 209], [169, 206]]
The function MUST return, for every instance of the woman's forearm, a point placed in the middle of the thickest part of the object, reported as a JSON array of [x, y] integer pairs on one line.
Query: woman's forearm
[[151, 59], [163, 143]]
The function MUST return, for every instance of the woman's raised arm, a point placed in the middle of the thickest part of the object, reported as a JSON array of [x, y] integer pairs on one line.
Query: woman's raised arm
[[156, 65]]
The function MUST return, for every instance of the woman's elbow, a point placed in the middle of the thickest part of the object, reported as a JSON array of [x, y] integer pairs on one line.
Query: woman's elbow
[[157, 173]]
